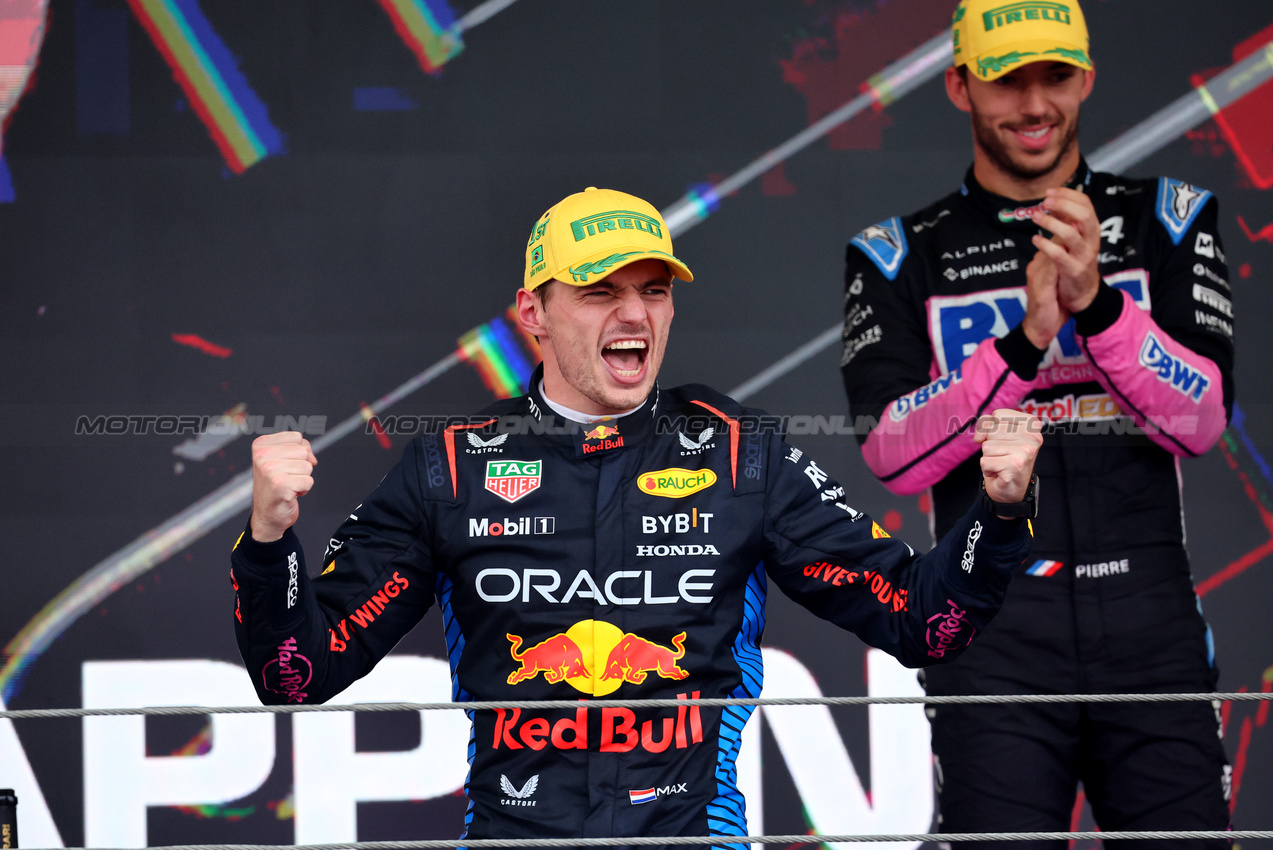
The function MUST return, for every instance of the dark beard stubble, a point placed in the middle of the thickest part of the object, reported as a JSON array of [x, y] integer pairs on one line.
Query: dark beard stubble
[[998, 153]]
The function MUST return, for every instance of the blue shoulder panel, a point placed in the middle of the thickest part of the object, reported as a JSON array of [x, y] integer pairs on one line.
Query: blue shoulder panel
[[885, 244], [1178, 205]]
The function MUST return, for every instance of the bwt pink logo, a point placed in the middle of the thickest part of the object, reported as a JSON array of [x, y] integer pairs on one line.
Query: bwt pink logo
[[943, 630], [289, 673]]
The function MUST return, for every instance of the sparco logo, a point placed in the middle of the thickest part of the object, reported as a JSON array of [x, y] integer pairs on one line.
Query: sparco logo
[[752, 457], [433, 463], [944, 629], [485, 527], [973, 536], [292, 587]]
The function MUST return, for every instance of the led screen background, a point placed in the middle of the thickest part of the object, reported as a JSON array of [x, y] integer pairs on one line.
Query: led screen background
[[334, 197]]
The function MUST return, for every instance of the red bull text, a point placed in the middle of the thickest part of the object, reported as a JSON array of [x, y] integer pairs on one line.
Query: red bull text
[[618, 733]]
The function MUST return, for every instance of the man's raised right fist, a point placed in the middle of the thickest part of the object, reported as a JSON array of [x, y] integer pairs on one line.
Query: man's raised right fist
[[282, 472]]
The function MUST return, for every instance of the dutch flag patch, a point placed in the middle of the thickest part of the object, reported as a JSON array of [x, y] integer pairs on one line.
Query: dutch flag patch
[[646, 796]]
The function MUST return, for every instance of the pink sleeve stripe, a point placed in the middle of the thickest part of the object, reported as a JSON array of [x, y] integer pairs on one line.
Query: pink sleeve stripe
[[926, 433], [1144, 369]]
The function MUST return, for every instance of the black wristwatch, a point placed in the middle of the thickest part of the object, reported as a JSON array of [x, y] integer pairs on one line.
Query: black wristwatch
[[1027, 507]]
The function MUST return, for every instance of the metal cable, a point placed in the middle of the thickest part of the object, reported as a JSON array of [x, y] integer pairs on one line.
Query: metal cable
[[557, 704], [723, 840]]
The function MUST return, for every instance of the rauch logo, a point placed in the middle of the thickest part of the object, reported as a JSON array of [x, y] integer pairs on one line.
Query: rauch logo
[[675, 482]]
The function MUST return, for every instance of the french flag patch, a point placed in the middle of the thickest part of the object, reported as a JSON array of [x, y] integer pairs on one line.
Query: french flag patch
[[1044, 568], [639, 797]]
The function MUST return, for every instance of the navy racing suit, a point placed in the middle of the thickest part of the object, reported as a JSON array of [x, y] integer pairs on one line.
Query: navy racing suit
[[628, 558]]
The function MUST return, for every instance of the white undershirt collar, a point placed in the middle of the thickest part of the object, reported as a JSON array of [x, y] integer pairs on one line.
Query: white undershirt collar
[[576, 416]]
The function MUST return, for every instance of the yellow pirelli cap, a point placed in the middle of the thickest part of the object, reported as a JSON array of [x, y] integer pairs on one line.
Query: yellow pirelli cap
[[590, 234], [993, 36]]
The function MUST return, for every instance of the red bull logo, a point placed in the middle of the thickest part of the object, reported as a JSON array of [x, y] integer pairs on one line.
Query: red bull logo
[[596, 657], [635, 657], [601, 432], [601, 438], [558, 658], [619, 730]]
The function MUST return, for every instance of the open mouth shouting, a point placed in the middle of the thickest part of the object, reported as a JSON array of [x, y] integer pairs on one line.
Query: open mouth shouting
[[626, 359]]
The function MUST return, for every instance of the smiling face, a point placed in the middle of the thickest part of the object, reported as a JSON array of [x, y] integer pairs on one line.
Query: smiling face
[[1025, 125], [603, 343]]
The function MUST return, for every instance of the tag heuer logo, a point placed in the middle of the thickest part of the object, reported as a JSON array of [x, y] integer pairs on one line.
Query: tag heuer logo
[[512, 479]]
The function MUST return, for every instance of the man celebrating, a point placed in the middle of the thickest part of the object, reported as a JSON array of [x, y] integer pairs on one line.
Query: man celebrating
[[602, 536], [1101, 305]]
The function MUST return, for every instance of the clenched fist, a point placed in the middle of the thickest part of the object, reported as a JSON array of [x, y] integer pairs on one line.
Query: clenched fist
[[282, 472], [1010, 441]]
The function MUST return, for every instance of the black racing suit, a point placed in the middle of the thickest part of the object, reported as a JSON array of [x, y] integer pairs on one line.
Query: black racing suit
[[933, 309], [627, 559]]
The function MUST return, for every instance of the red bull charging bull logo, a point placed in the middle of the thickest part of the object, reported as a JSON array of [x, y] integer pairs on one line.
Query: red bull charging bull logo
[[602, 432], [601, 438], [595, 657], [635, 657], [557, 658]]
